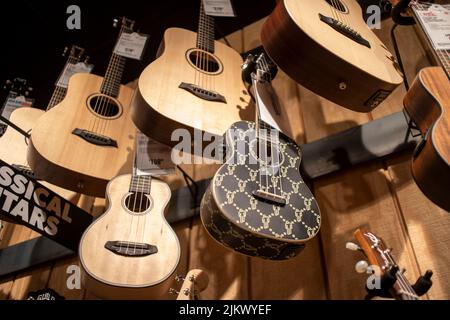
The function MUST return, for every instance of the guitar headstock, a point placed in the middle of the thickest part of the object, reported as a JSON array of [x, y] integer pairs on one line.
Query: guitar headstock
[[260, 66], [126, 25], [18, 86], [194, 283], [75, 54]]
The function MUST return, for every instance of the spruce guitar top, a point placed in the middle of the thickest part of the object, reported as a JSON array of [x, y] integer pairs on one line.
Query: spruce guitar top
[[195, 84], [88, 138], [326, 46], [257, 203]]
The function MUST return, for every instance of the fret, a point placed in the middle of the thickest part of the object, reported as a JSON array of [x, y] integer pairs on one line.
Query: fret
[[60, 92], [205, 34], [141, 184]]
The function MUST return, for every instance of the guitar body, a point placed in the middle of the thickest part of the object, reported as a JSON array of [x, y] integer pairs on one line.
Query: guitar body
[[328, 61], [65, 159], [238, 220], [428, 104], [161, 106], [13, 147], [111, 275]]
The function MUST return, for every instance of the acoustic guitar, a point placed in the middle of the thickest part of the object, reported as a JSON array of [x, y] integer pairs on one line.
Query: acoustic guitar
[[131, 251], [428, 104], [87, 139], [392, 281], [326, 46], [194, 84], [14, 146], [257, 203]]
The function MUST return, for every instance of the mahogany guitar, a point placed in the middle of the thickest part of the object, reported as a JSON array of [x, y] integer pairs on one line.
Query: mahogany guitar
[[257, 203], [131, 251], [14, 146], [393, 282], [428, 104], [88, 138], [326, 46], [195, 84]]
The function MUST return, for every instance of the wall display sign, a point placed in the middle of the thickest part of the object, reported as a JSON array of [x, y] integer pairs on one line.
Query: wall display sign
[[219, 8], [131, 45], [70, 70], [29, 203], [152, 157]]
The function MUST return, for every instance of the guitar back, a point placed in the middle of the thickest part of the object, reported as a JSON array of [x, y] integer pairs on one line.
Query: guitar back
[[428, 104], [161, 106], [327, 61], [59, 156], [112, 274]]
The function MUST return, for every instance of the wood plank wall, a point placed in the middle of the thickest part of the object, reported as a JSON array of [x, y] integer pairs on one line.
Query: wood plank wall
[[380, 195]]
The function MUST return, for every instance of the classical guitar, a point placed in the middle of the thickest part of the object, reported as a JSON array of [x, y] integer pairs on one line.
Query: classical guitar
[[257, 203], [88, 138], [392, 281], [428, 104], [194, 84], [131, 251], [326, 46], [14, 145], [194, 283]]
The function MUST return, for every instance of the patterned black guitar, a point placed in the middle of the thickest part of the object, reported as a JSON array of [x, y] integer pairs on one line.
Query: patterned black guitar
[[257, 203]]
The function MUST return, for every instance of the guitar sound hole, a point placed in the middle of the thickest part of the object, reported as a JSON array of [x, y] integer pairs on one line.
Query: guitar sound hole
[[204, 61], [137, 202], [104, 106], [338, 5]]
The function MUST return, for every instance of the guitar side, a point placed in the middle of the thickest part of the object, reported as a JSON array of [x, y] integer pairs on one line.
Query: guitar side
[[428, 104], [67, 160], [110, 275], [327, 62], [161, 106]]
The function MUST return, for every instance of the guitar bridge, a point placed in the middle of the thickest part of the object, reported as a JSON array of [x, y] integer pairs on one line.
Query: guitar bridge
[[204, 94], [345, 30], [95, 138], [26, 171], [270, 197], [131, 249]]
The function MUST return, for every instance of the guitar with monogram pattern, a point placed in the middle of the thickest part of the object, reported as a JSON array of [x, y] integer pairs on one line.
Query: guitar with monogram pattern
[[257, 203]]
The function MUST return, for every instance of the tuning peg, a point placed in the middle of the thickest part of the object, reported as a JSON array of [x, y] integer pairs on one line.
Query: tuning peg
[[86, 59], [361, 266], [173, 291], [352, 246], [66, 49], [179, 278], [115, 23]]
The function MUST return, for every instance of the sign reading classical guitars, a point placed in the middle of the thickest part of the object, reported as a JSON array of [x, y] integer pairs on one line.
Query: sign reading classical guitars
[[195, 84], [88, 138], [326, 46], [27, 202], [257, 203]]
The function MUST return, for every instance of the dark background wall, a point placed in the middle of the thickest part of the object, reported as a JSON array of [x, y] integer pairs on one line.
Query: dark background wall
[[34, 34]]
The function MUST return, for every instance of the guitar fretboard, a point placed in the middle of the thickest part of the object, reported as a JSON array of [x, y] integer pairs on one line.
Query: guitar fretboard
[[205, 34], [141, 184]]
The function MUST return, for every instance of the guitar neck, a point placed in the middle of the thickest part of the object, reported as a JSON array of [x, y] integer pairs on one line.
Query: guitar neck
[[205, 34], [60, 92], [140, 183]]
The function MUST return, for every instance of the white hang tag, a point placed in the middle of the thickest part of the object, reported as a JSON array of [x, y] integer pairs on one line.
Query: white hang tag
[[267, 103], [131, 45], [218, 8], [435, 19], [70, 70], [152, 157], [15, 102]]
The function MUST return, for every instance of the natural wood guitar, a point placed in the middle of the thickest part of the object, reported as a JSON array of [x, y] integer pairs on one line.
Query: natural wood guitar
[[326, 46], [131, 251], [194, 84], [14, 146], [88, 138]]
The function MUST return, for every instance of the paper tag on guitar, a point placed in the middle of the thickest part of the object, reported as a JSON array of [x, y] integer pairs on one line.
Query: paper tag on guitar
[[218, 8], [435, 19], [152, 157], [131, 45], [14, 102], [70, 70]]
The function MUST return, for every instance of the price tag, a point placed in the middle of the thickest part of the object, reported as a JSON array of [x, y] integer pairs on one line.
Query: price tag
[[14, 102], [218, 8], [435, 19], [70, 70], [152, 157], [131, 45]]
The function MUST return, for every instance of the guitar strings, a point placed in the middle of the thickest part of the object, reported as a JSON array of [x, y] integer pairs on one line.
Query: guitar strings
[[402, 282]]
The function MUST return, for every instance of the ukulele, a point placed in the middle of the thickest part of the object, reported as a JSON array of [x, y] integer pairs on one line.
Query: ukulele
[[87, 139], [392, 280], [14, 146], [257, 203], [428, 104], [131, 251], [194, 84], [327, 47], [195, 282]]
